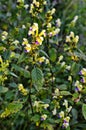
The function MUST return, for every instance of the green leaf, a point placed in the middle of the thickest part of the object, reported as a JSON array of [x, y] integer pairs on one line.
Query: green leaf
[[37, 78], [62, 87], [13, 84], [35, 118], [65, 93], [14, 75], [3, 89], [14, 107], [21, 58], [9, 95], [80, 125], [74, 114], [81, 55], [44, 53], [68, 128], [84, 110], [22, 71], [53, 54], [50, 127]]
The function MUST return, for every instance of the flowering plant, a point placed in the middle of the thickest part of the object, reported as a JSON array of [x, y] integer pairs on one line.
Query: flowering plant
[[42, 80]]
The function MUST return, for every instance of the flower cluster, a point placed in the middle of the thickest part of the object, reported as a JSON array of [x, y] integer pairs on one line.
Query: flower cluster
[[22, 89], [5, 113], [11, 108], [78, 86], [39, 105], [37, 37], [72, 40], [83, 74], [36, 7], [53, 30], [49, 15], [3, 70], [26, 45], [43, 59], [64, 114]]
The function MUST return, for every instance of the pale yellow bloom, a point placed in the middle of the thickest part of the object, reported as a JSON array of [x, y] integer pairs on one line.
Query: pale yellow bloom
[[44, 117], [53, 11], [28, 47], [22, 89], [25, 41], [71, 34], [61, 114], [76, 39], [41, 59], [68, 39], [58, 22]]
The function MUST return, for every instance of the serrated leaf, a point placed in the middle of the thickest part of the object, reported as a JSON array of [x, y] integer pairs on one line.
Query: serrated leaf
[[84, 110], [37, 78], [3, 89]]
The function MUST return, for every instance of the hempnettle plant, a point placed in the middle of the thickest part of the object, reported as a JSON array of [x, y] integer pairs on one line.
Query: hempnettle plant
[[42, 80]]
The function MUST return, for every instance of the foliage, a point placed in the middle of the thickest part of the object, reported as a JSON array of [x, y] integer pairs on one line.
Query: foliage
[[42, 65]]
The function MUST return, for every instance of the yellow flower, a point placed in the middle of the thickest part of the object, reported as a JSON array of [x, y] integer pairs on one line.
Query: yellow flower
[[39, 40], [33, 29], [56, 91], [65, 103], [44, 2], [74, 58], [25, 41], [70, 78], [22, 89], [60, 58], [49, 25], [1, 59], [58, 22], [61, 114], [68, 39], [83, 72], [42, 33], [67, 118], [4, 35], [76, 39], [41, 59], [75, 19], [56, 31], [43, 117], [46, 106], [28, 48], [53, 11], [71, 34]]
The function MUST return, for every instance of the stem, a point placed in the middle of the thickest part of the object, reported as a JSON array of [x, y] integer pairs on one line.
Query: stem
[[52, 81], [30, 100]]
